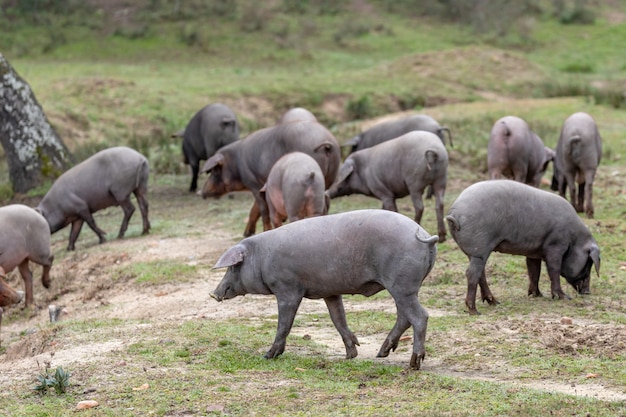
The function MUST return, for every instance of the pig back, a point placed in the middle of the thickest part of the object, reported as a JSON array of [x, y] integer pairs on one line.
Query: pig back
[[24, 233], [358, 245], [263, 148], [491, 212]]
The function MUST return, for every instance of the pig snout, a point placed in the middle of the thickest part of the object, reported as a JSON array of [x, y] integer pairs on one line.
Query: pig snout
[[216, 297], [582, 286]]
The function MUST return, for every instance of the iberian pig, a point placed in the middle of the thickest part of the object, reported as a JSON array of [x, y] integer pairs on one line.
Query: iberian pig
[[397, 168], [356, 252], [245, 164], [296, 114], [209, 129], [24, 238], [578, 154], [510, 217], [295, 189], [515, 152], [105, 179], [390, 130]]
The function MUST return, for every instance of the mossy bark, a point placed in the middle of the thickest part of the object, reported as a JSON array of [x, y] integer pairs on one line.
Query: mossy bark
[[32, 147]]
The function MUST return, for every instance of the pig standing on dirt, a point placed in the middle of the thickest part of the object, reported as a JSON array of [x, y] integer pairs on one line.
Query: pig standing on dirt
[[510, 217], [578, 155], [246, 164], [515, 152], [297, 114], [397, 168], [24, 238], [295, 189], [357, 252], [105, 179], [390, 130], [209, 129]]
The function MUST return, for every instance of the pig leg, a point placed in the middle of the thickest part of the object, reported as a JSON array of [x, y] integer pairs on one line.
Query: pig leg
[[46, 262], [338, 316], [253, 217], [441, 227], [391, 342], [588, 193], [534, 270], [475, 274], [74, 232], [553, 263], [140, 195], [195, 169], [389, 202], [409, 307], [86, 216], [571, 185], [27, 276], [263, 211], [287, 308], [418, 205], [129, 209]]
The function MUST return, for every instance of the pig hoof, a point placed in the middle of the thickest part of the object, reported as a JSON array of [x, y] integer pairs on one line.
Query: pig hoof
[[416, 360]]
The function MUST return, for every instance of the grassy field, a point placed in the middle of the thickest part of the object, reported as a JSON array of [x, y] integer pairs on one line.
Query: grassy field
[[142, 337]]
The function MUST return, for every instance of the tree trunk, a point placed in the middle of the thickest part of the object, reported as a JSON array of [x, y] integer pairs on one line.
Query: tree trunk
[[32, 147]]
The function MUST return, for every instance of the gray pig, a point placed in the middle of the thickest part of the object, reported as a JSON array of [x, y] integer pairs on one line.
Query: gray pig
[[511, 217], [208, 130], [295, 189], [245, 164], [397, 168], [578, 155], [390, 130], [103, 180], [24, 238], [515, 152], [296, 114], [357, 252]]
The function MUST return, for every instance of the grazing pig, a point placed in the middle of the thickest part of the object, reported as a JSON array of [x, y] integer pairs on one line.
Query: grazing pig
[[105, 179], [208, 130], [357, 252], [246, 164], [295, 189], [24, 238], [510, 217], [517, 153], [397, 168], [390, 130], [578, 155], [296, 114]]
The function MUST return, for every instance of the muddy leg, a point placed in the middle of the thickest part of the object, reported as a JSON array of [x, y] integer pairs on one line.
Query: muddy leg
[[253, 217], [534, 271], [338, 316]]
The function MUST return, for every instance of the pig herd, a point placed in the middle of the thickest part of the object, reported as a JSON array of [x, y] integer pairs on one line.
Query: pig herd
[[294, 169]]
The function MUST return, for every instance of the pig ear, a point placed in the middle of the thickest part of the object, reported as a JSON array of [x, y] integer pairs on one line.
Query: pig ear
[[212, 162], [232, 256], [346, 169], [594, 254]]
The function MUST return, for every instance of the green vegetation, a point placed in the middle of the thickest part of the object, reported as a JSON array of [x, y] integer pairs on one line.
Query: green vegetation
[[135, 76]]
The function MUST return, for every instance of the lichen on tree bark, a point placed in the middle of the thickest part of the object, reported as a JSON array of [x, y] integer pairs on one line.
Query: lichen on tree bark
[[32, 147]]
